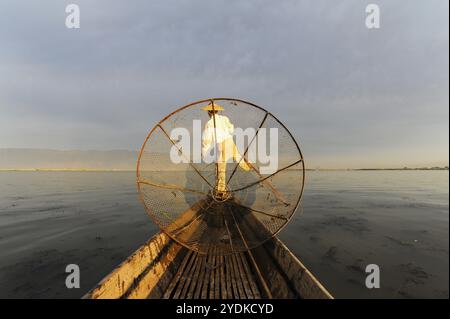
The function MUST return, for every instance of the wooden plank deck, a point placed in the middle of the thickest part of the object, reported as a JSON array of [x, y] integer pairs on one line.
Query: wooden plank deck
[[214, 276]]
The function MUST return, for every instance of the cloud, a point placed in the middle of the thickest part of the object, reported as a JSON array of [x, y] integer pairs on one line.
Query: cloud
[[341, 88]]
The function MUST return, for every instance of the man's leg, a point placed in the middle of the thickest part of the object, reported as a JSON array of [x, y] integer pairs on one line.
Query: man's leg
[[238, 158], [222, 168]]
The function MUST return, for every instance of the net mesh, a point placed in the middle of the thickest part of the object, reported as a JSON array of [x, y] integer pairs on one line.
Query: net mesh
[[235, 206]]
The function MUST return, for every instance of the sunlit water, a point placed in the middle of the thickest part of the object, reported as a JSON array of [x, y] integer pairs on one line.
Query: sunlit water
[[398, 220]]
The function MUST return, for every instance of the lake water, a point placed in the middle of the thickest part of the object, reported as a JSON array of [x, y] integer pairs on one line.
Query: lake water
[[398, 220]]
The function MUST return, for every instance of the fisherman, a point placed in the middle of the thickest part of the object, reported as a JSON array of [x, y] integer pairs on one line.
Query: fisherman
[[218, 133]]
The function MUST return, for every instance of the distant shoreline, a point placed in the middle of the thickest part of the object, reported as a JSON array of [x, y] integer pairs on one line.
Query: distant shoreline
[[63, 170], [404, 169], [47, 160], [132, 170]]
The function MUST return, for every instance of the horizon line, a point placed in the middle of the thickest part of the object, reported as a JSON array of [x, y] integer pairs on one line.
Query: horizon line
[[435, 168], [424, 166]]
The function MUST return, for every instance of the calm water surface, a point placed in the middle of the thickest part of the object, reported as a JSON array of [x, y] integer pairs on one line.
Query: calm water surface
[[398, 220]]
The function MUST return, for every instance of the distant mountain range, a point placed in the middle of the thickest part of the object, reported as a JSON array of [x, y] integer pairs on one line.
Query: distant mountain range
[[47, 159], [11, 158]]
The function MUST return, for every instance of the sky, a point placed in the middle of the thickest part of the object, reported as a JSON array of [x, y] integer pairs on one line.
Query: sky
[[352, 96]]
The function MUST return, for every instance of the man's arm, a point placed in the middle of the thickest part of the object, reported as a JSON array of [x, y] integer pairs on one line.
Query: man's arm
[[229, 125]]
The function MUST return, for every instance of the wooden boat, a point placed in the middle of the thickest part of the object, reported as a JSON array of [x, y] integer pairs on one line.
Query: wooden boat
[[162, 268], [221, 245]]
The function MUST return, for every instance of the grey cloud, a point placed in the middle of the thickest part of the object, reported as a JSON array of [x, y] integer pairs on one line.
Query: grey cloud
[[341, 88]]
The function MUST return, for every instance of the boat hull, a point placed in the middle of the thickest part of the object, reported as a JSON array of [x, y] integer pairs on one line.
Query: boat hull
[[162, 268]]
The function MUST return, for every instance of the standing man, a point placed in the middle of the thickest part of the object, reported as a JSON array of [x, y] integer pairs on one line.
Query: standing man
[[218, 133]]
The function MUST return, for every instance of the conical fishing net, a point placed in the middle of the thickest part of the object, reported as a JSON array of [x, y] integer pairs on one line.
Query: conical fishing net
[[220, 175]]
